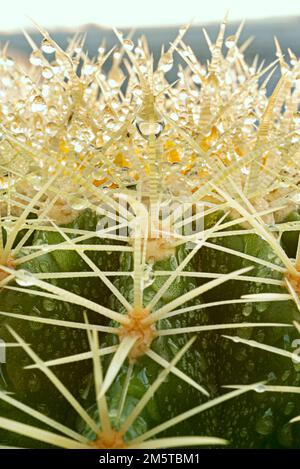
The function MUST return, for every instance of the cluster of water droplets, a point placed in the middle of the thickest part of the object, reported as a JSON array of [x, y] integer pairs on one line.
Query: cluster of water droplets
[[67, 115]]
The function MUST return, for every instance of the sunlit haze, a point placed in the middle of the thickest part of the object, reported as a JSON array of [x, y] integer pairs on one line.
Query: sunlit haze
[[126, 13]]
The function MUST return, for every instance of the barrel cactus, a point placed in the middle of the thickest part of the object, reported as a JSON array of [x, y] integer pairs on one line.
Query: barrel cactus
[[150, 264]]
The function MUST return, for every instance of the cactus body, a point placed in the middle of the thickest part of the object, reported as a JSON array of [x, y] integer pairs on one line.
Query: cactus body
[[254, 420], [51, 342], [290, 239], [197, 363]]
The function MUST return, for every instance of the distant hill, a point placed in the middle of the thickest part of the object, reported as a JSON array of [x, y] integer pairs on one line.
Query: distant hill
[[287, 31]]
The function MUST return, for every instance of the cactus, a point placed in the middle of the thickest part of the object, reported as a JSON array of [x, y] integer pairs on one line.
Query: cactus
[[149, 282]]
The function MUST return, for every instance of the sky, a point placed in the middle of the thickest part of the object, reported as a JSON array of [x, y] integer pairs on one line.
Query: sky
[[126, 13]]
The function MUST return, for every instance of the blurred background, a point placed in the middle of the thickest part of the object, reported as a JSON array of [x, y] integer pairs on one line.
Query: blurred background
[[159, 20]]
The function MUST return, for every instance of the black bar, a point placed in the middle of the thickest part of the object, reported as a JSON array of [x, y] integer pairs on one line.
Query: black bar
[[138, 458]]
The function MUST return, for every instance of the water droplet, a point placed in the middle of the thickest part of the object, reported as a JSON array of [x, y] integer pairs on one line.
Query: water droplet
[[247, 309], [146, 129], [25, 278], [44, 247], [128, 44], [78, 147], [33, 382], [230, 42], [48, 305], [78, 203], [16, 127], [285, 436], [166, 62], [260, 388], [236, 339], [51, 129], [174, 116], [212, 80], [35, 326], [265, 425], [148, 276], [38, 104], [261, 306], [45, 267], [47, 46], [4, 184], [36, 182], [196, 79], [36, 58], [101, 50], [289, 408], [88, 69], [47, 72]]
